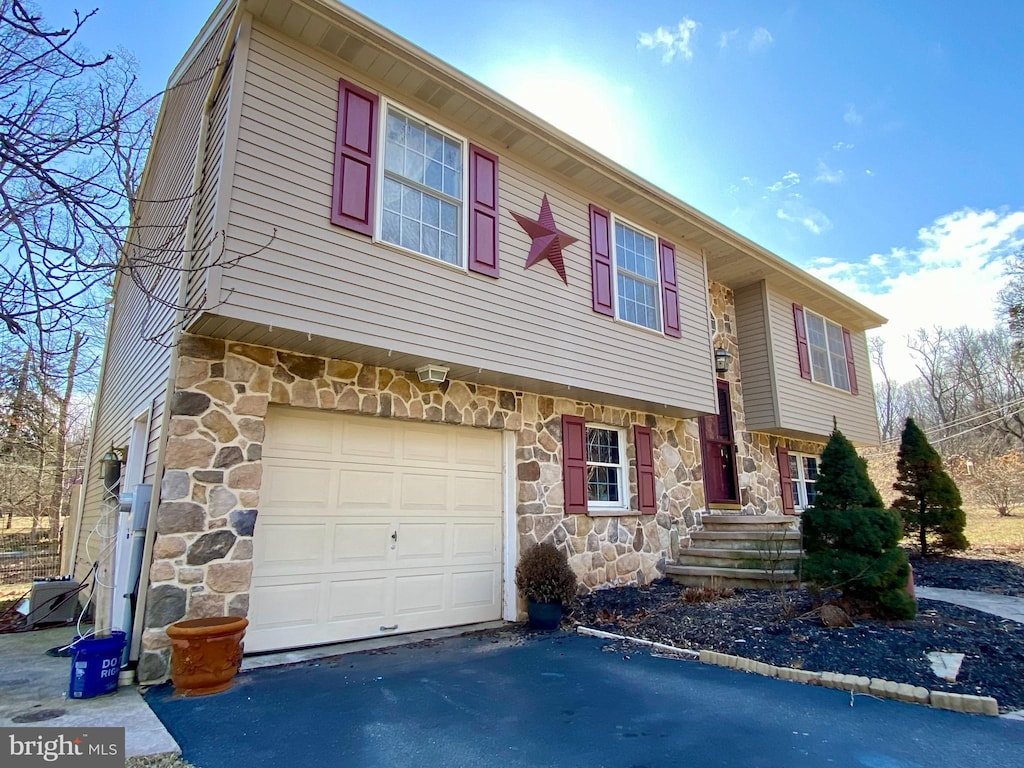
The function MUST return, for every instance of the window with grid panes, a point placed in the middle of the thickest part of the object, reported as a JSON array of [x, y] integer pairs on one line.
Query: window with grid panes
[[827, 351], [422, 188], [804, 471], [637, 282], [606, 471]]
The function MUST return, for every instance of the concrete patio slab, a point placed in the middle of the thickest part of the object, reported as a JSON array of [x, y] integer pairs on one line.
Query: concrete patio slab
[[1007, 606]]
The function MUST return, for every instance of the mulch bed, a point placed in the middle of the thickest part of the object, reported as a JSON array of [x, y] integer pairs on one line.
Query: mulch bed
[[755, 624]]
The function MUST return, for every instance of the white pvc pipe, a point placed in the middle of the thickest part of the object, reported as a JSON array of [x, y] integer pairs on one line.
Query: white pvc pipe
[[649, 643]]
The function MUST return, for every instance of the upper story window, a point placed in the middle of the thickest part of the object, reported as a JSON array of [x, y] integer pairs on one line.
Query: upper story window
[[422, 188], [828, 353], [824, 350], [404, 181], [636, 270]]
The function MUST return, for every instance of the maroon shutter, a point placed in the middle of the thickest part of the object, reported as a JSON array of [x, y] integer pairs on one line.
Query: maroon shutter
[[785, 479], [483, 216], [669, 289], [801, 341], [848, 343], [354, 159], [601, 260], [644, 469], [574, 464]]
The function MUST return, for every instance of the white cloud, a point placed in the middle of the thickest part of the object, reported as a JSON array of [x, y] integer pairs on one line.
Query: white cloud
[[950, 277], [789, 179], [727, 37], [673, 42], [869, 172], [840, 146], [827, 176], [760, 40], [852, 116], [797, 212]]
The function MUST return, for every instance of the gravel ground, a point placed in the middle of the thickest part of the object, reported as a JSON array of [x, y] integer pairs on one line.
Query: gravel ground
[[1001, 573], [754, 624]]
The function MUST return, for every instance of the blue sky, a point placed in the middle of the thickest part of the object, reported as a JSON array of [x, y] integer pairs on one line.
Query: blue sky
[[876, 144]]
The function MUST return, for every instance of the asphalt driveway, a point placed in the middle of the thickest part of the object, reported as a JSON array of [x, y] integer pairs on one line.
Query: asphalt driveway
[[509, 699]]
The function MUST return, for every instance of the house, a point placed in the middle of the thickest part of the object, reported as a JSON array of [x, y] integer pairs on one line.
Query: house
[[412, 330]]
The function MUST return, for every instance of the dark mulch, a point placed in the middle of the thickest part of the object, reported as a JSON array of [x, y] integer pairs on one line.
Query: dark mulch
[[974, 571], [754, 624]]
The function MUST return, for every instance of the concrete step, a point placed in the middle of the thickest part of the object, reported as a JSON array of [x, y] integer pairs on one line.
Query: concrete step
[[748, 522], [749, 540], [744, 558], [738, 578]]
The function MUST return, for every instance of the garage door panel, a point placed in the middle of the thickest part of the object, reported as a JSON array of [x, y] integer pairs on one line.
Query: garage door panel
[[470, 540], [365, 490], [325, 529], [474, 588], [361, 545], [419, 593], [358, 599], [288, 543], [417, 541], [477, 448], [368, 440], [293, 485], [284, 605]]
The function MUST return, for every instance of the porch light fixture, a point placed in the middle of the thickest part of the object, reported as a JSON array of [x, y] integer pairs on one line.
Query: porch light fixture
[[110, 466], [722, 360], [432, 373]]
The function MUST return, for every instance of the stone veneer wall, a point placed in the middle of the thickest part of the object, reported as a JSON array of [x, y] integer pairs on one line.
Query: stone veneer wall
[[209, 501]]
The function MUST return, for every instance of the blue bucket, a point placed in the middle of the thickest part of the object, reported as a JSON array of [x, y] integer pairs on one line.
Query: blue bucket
[[95, 665]]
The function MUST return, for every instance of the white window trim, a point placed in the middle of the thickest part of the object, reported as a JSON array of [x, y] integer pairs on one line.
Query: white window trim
[[828, 351], [378, 226], [800, 492], [615, 219], [622, 505]]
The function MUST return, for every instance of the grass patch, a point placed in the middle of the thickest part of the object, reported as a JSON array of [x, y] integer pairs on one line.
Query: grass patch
[[988, 531]]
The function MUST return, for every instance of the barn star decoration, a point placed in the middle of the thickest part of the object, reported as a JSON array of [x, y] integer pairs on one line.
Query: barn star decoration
[[548, 239]]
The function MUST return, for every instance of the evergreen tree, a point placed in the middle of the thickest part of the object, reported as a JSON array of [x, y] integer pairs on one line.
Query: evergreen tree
[[843, 480], [851, 540], [930, 504]]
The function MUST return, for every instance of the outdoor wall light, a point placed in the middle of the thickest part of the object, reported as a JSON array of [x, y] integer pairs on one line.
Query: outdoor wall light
[[432, 373], [722, 360], [110, 466]]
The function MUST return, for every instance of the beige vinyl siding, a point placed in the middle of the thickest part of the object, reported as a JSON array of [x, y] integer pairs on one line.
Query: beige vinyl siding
[[807, 407], [755, 359], [318, 279], [137, 358], [207, 240]]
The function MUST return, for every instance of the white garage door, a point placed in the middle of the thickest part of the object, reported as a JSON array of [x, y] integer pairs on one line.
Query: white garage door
[[371, 526]]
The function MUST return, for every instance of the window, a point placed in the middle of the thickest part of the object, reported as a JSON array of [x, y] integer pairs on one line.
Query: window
[[824, 350], [803, 471], [422, 188], [633, 276], [595, 468], [636, 271], [605, 468], [412, 184]]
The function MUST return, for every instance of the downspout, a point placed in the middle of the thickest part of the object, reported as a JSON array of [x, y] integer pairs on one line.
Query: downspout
[[172, 372]]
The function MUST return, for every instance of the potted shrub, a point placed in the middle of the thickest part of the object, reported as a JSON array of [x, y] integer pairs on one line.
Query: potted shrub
[[545, 579]]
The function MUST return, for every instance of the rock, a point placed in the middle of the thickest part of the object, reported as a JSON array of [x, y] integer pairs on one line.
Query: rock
[[152, 667], [220, 425], [221, 501], [243, 521], [946, 665], [228, 456], [833, 616], [210, 546], [189, 403], [208, 476], [175, 485], [239, 605], [229, 577], [206, 606], [179, 517], [168, 547], [302, 366], [201, 347], [188, 453], [261, 355], [166, 605], [246, 477]]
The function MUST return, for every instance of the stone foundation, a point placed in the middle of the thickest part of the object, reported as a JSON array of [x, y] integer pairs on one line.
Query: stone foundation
[[210, 495]]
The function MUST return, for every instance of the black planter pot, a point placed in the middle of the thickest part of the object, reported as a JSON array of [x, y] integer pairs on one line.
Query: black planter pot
[[545, 616]]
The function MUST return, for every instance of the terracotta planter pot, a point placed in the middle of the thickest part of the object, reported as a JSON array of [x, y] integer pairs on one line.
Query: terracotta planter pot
[[206, 654]]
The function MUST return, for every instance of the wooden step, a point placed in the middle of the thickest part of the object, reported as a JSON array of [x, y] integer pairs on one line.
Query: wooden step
[[748, 540], [737, 578], [744, 558]]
